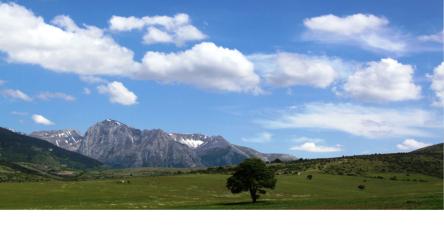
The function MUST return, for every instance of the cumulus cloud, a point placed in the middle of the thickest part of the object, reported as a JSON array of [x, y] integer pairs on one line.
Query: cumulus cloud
[[88, 51], [365, 30], [385, 80], [61, 46], [154, 35], [55, 95], [313, 147], [438, 84], [263, 137], [118, 93], [205, 65], [16, 94], [118, 23], [40, 119], [411, 144], [370, 122], [160, 29], [288, 69]]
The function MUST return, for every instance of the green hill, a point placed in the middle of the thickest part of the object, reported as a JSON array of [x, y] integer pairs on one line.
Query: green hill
[[26, 158], [437, 148], [427, 161]]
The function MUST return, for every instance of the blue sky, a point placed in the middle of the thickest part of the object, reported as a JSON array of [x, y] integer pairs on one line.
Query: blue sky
[[309, 78]]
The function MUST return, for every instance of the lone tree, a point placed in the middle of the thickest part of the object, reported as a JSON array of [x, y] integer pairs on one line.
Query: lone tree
[[252, 175]]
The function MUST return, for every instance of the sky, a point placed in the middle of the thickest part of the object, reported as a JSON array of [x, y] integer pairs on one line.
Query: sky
[[308, 78]]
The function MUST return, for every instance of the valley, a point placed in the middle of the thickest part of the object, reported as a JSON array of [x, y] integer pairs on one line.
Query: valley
[[38, 174], [207, 191]]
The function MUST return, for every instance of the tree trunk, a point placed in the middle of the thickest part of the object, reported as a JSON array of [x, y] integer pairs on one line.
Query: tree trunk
[[253, 195]]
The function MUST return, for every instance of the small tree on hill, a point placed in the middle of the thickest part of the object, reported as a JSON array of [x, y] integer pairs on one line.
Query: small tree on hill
[[251, 175]]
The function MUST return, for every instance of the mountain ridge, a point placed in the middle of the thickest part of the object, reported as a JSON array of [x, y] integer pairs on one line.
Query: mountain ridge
[[119, 145]]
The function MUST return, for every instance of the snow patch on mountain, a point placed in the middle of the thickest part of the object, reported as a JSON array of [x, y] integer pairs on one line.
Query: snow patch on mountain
[[193, 143], [68, 138]]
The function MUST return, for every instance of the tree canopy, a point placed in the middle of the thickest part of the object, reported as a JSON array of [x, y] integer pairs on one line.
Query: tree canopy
[[252, 175]]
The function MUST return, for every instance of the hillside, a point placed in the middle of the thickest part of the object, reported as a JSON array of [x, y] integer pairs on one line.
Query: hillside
[[427, 161], [437, 148], [24, 157]]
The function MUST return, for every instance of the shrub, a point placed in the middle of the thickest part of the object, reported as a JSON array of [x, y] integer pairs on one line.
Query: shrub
[[309, 177], [361, 187]]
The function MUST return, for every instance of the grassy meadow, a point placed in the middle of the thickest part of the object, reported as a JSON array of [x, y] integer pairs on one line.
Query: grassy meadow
[[207, 191]]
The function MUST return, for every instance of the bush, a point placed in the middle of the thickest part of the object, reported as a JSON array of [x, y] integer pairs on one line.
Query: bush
[[309, 177], [361, 187]]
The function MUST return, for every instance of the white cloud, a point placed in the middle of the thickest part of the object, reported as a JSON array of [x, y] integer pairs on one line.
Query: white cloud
[[155, 35], [188, 33], [386, 80], [118, 23], [288, 69], [348, 25], [263, 137], [304, 139], [19, 113], [55, 95], [437, 38], [61, 46], [161, 29], [16, 94], [2, 82], [313, 147], [438, 84], [40, 119], [411, 144], [118, 93], [365, 30], [92, 79], [370, 122], [86, 91], [206, 66]]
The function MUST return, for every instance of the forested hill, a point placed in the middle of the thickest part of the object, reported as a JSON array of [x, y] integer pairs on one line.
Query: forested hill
[[21, 154]]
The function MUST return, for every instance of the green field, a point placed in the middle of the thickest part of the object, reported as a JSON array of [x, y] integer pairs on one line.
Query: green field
[[207, 191]]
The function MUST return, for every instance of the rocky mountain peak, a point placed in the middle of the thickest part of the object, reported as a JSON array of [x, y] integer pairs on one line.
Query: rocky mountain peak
[[119, 145], [68, 139]]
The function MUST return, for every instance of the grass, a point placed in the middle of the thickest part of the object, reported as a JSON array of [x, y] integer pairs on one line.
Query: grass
[[207, 191]]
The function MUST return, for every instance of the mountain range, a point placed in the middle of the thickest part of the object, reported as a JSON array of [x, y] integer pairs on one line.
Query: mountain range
[[119, 145]]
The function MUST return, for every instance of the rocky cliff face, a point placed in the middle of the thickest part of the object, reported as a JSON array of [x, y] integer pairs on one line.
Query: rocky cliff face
[[67, 139], [118, 145]]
